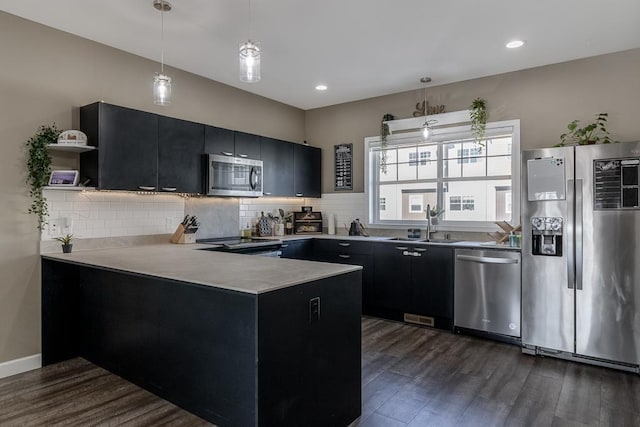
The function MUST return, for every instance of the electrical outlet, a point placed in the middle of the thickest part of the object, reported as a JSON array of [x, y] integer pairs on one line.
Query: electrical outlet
[[314, 309], [59, 227]]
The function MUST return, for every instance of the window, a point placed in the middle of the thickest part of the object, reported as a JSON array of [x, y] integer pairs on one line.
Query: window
[[415, 203], [474, 183]]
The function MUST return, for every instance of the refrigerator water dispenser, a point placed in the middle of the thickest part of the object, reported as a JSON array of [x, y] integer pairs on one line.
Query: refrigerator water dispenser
[[546, 236]]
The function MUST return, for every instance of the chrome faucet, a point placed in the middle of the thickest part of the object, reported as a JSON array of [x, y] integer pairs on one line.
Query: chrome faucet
[[428, 223]]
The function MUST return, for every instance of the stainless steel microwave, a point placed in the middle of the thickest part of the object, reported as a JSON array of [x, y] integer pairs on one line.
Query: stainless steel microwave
[[233, 176]]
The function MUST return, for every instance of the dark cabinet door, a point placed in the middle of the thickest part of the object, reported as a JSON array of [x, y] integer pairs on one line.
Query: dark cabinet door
[[180, 146], [277, 167], [127, 147], [297, 249], [432, 283], [218, 141], [392, 279], [247, 145], [307, 170]]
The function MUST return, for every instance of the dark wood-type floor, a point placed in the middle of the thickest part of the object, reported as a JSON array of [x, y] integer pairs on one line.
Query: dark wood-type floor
[[411, 376]]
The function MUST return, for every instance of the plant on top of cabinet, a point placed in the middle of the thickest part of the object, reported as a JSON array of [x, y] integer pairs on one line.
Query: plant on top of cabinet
[[39, 169], [593, 133], [478, 113]]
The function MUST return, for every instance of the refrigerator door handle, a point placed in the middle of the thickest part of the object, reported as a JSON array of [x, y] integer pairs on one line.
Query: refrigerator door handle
[[578, 233], [571, 266]]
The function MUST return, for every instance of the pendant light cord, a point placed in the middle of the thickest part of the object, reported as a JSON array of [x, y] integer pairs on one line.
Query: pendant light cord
[[162, 37]]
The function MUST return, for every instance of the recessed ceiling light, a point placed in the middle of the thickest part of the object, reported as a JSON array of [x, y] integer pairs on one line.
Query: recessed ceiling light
[[513, 44], [321, 87]]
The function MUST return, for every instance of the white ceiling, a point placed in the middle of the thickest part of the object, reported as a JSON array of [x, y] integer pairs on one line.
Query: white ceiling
[[359, 48]]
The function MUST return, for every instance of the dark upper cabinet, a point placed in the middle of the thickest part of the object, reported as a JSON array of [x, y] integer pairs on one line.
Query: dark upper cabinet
[[218, 141], [277, 158], [247, 145], [307, 171], [127, 140], [226, 142], [180, 146]]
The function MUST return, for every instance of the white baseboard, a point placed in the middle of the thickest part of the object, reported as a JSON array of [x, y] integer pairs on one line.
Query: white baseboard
[[18, 366]]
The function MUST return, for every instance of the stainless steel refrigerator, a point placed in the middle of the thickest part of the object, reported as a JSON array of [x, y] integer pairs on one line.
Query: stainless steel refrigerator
[[581, 253]]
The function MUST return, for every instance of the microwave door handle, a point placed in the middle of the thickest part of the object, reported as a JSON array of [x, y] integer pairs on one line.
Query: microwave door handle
[[253, 178]]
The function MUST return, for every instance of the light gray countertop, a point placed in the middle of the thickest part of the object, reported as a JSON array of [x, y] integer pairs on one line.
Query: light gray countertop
[[185, 263]]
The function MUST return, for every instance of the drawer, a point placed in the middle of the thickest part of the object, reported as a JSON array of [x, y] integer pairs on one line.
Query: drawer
[[343, 246]]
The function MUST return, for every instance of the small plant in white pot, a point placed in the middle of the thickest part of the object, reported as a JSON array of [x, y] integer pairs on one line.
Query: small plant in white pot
[[66, 243]]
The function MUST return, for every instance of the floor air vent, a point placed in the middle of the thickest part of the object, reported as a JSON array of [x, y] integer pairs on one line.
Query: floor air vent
[[418, 320]]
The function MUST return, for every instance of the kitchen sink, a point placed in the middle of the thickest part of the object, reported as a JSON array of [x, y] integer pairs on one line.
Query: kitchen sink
[[409, 239]]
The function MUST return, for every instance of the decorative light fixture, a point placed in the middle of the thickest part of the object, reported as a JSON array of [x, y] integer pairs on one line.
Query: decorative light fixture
[[250, 58], [321, 87], [161, 82], [426, 130]]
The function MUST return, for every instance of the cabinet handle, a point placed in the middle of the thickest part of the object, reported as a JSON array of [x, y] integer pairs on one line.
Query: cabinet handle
[[420, 250], [266, 194], [169, 188], [402, 248], [407, 253], [344, 256], [226, 153], [298, 194], [146, 188], [284, 246], [244, 156], [344, 244]]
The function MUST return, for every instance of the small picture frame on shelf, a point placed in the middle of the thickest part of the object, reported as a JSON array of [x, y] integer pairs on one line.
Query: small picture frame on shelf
[[64, 178]]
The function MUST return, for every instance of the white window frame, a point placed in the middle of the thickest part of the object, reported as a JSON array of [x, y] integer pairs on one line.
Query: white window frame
[[440, 134]]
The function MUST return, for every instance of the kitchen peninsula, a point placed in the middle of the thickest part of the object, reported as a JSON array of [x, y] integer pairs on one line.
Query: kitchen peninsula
[[237, 340]]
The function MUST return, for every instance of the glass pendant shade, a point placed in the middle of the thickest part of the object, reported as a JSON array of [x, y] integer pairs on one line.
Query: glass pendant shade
[[250, 62], [425, 130], [161, 89]]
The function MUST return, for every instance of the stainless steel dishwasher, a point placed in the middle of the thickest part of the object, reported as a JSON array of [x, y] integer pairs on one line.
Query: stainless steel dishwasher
[[487, 293]]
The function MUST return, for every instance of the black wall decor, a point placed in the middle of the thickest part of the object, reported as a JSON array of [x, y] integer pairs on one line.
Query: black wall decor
[[343, 154]]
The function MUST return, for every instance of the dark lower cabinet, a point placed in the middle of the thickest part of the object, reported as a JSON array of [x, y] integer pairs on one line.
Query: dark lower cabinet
[[232, 358], [414, 280], [298, 249], [180, 146], [307, 171], [277, 158], [127, 141]]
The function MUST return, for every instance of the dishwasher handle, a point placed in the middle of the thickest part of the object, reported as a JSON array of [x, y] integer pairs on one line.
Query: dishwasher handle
[[487, 260]]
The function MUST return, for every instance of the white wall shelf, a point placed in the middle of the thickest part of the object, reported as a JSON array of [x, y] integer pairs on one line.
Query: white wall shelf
[[70, 147]]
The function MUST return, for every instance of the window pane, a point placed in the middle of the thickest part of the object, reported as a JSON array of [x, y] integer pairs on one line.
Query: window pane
[[391, 174], [407, 201], [499, 165], [450, 150], [473, 166], [404, 154], [392, 155], [428, 171], [498, 146], [478, 201], [407, 171]]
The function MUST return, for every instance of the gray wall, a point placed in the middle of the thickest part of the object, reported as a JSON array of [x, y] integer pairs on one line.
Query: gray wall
[[45, 75], [545, 99]]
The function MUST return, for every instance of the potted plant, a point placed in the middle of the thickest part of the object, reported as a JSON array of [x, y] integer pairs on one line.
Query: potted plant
[[435, 213], [384, 133], [66, 243], [39, 169], [478, 114], [593, 133]]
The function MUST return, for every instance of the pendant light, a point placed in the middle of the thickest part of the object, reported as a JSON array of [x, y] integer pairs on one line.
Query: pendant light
[[249, 55], [161, 82], [426, 130]]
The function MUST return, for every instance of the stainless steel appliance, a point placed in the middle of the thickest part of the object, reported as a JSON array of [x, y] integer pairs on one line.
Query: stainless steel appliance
[[487, 292], [247, 246], [233, 176], [581, 254]]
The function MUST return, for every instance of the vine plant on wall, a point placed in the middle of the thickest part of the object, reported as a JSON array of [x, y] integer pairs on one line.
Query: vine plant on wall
[[39, 169], [478, 113], [384, 133]]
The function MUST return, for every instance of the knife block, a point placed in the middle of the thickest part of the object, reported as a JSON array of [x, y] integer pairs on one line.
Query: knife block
[[179, 236]]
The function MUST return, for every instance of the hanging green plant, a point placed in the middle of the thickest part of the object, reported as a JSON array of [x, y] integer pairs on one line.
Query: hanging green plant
[[593, 133], [478, 113], [39, 169], [384, 133]]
